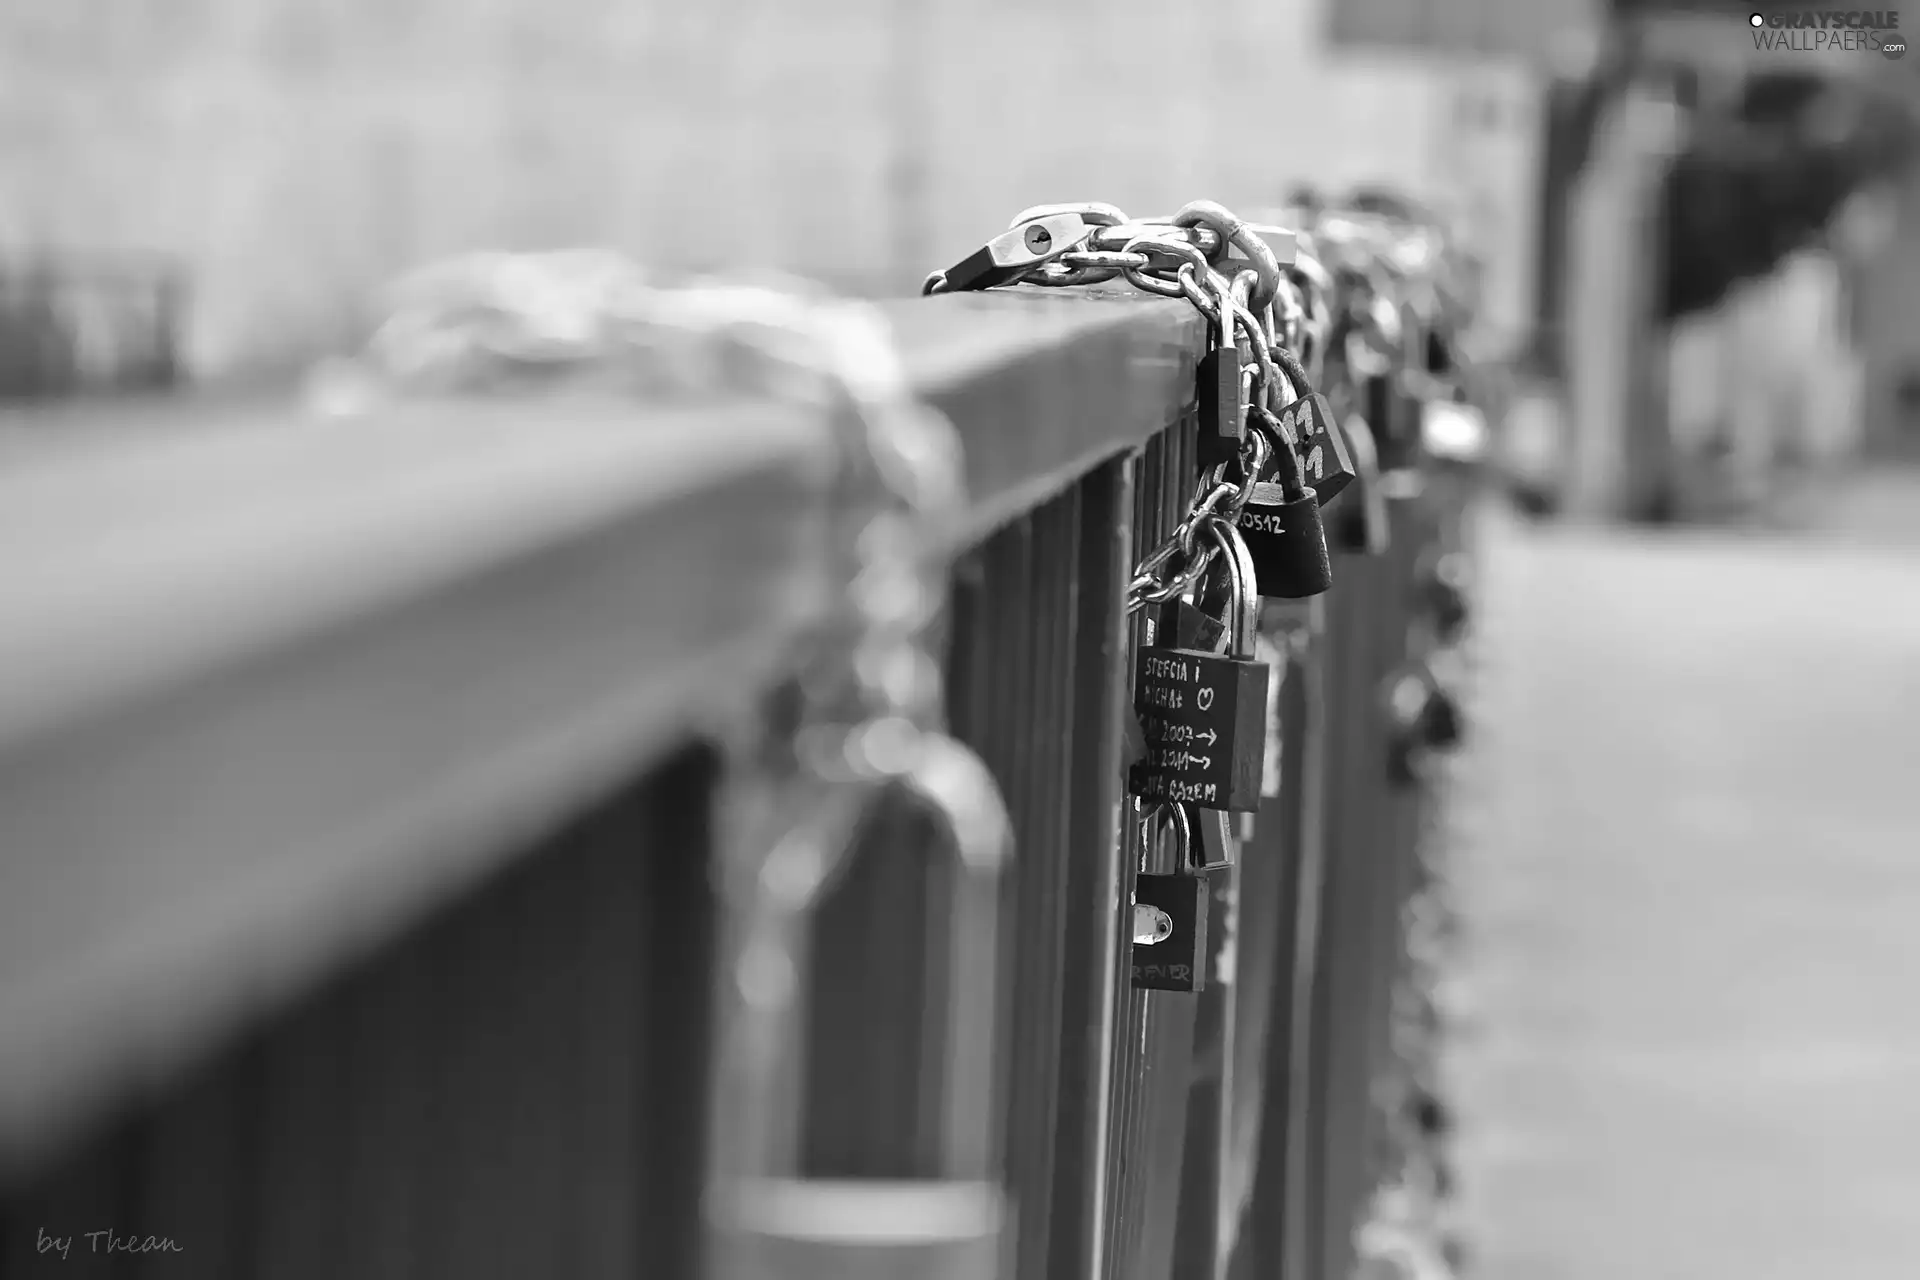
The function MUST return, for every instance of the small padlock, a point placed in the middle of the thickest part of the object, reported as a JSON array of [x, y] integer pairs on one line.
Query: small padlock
[[1205, 713], [1325, 458], [1222, 390], [1282, 530], [1014, 252], [1176, 961], [1363, 527]]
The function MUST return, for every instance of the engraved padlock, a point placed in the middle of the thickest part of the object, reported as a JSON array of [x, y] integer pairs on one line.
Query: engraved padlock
[[1281, 524], [770, 1218], [1178, 624], [1326, 460], [1228, 589], [1204, 713], [1179, 892]]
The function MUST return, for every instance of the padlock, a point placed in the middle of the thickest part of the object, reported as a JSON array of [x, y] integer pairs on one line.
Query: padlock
[[1204, 713], [1222, 390], [1181, 625], [1178, 624], [772, 1221], [1281, 527], [1325, 458], [1013, 253], [1219, 833], [1363, 526], [1178, 960]]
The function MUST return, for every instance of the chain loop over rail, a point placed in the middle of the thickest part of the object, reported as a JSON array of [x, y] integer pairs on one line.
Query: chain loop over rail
[[1189, 256]]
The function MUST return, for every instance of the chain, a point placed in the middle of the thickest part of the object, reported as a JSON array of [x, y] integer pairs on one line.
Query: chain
[[1284, 324], [1264, 311]]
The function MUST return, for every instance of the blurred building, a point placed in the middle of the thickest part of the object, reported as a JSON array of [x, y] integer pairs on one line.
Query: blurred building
[[295, 155]]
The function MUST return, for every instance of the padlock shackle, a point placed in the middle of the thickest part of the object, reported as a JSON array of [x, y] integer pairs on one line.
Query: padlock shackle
[[1237, 571], [1226, 299], [960, 792], [1095, 213], [765, 1041], [1172, 815]]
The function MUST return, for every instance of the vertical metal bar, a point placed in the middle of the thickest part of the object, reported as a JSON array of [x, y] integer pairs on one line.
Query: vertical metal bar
[[1099, 883], [1025, 564], [1198, 1238], [1301, 1166], [1275, 867], [867, 1112], [190, 1179], [387, 1151], [1129, 1151], [615, 1037], [669, 843], [1160, 1029], [540, 1086], [299, 1159], [1353, 862], [1399, 811], [92, 1190], [466, 1161]]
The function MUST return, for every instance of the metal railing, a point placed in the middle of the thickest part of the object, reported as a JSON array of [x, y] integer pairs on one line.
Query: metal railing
[[363, 786]]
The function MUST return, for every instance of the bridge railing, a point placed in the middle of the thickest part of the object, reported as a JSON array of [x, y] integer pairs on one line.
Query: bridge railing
[[363, 785]]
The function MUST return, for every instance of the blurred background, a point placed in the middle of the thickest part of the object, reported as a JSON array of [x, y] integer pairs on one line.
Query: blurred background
[[246, 178], [1684, 831]]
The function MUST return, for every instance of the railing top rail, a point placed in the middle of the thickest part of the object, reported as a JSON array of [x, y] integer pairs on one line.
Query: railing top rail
[[274, 686]]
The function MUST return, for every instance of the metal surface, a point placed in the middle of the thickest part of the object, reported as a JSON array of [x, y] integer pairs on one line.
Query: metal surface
[[449, 981], [344, 560], [516, 1087]]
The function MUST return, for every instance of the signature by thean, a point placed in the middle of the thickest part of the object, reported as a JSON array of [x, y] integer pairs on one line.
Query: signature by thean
[[104, 1241]]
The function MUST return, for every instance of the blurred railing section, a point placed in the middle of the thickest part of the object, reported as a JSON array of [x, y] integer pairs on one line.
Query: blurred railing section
[[72, 325], [366, 786]]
